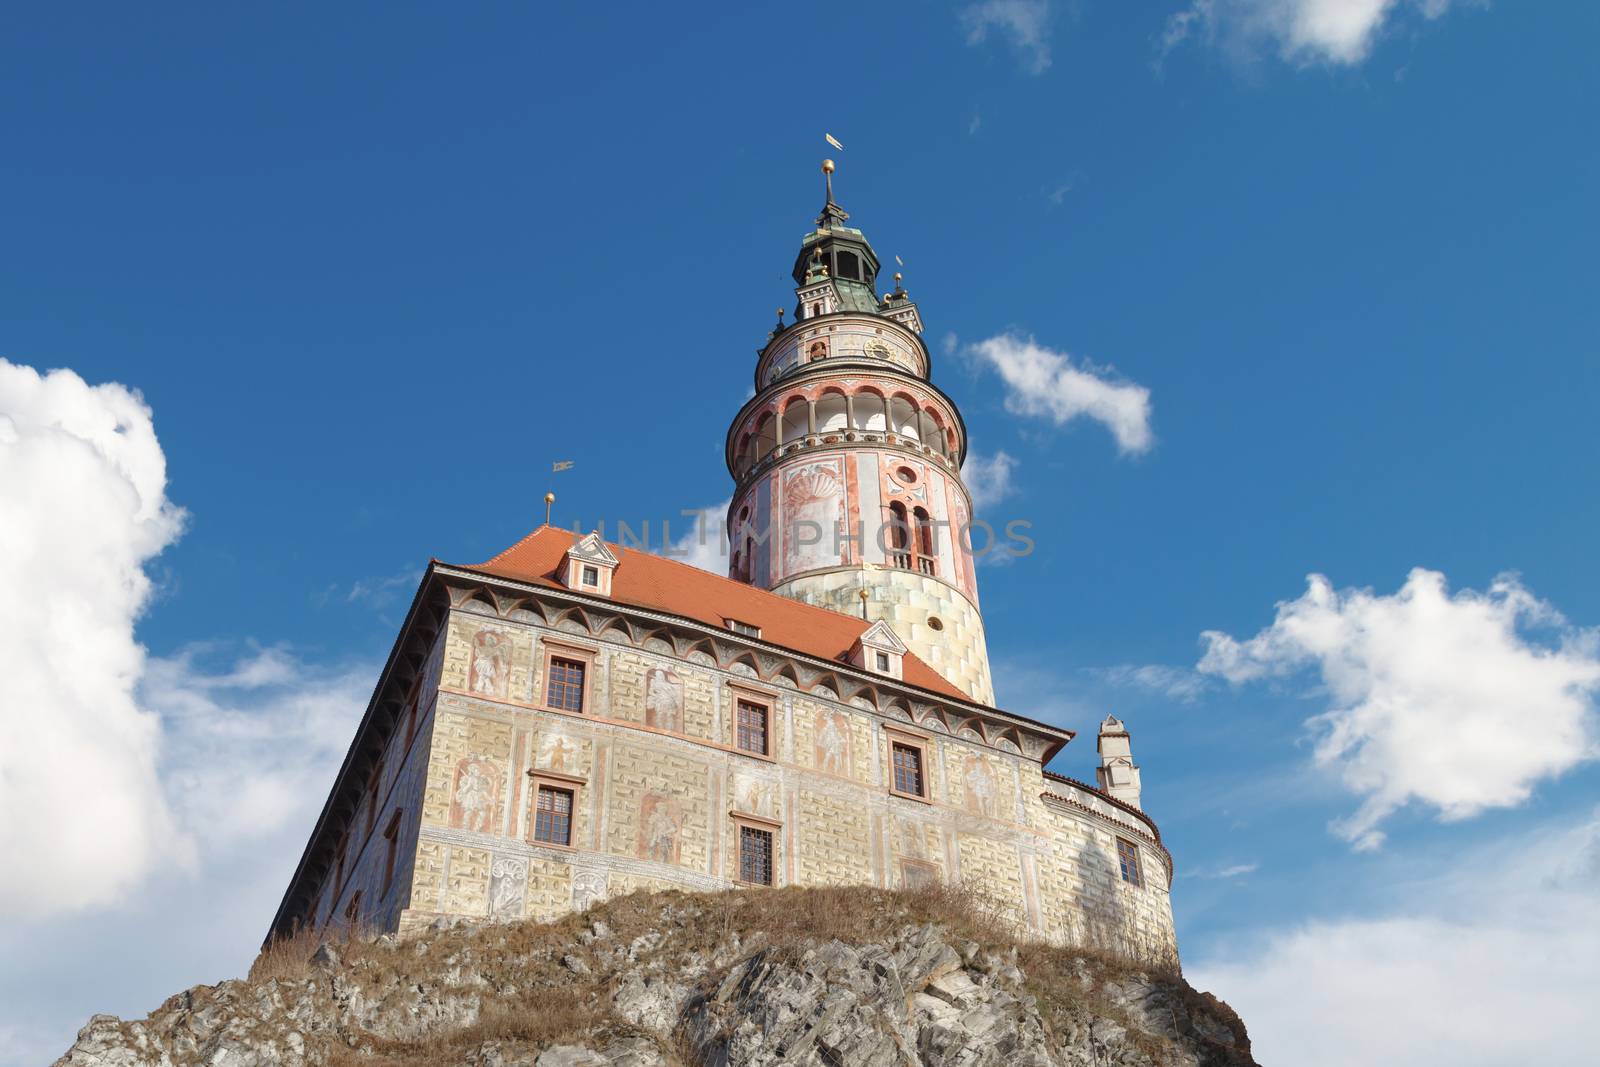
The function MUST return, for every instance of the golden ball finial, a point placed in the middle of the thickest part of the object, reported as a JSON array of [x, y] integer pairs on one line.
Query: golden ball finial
[[827, 166], [549, 498], [897, 277], [863, 593]]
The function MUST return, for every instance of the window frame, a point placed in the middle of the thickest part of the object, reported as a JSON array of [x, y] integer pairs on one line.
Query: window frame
[[1128, 852], [566, 783], [552, 649], [774, 831], [764, 699], [919, 743], [589, 576]]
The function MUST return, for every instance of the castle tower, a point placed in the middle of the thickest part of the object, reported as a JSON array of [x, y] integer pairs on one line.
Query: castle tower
[[847, 462], [1117, 774]]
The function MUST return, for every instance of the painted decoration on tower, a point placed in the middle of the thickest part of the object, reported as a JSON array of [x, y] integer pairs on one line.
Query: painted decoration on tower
[[490, 672], [813, 514], [663, 700], [475, 794], [660, 825], [981, 785], [832, 742]]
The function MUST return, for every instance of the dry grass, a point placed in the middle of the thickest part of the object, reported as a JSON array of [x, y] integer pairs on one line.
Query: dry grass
[[536, 1001]]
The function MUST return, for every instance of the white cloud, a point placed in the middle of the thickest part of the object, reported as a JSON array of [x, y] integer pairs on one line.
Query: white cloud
[[83, 816], [1488, 963], [1340, 32], [989, 477], [1048, 384], [112, 764], [1025, 23], [705, 544], [1236, 870], [266, 731], [1460, 702], [1176, 682]]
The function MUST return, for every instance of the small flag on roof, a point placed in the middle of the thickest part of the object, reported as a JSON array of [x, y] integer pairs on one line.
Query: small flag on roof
[[561, 465], [899, 261], [833, 141]]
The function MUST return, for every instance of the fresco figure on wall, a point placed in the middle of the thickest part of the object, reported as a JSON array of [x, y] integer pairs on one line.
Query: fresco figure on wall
[[833, 742], [475, 797], [981, 785], [813, 507], [663, 700], [911, 840], [660, 821], [491, 663], [754, 796], [557, 753], [508, 884]]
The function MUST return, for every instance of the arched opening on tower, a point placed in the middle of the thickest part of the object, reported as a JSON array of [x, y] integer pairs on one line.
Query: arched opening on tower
[[796, 419], [831, 413], [870, 411], [904, 418]]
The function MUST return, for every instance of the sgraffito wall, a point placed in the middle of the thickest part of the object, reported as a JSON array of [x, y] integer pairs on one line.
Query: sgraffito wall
[[660, 792]]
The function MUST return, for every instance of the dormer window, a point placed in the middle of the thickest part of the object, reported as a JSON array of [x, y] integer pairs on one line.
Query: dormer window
[[588, 566], [879, 649], [745, 628]]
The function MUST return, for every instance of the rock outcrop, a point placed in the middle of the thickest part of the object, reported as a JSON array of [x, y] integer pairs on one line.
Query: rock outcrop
[[830, 978]]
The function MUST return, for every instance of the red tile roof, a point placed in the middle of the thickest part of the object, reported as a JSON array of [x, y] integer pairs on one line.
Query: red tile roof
[[661, 584]]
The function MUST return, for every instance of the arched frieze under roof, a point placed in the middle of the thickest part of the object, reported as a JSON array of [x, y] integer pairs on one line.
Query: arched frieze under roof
[[787, 675], [574, 620], [744, 663], [617, 628], [1006, 744], [705, 648]]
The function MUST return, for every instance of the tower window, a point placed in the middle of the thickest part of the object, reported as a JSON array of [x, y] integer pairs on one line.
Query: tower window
[[552, 820], [848, 266], [751, 734], [565, 690], [755, 855], [1128, 859]]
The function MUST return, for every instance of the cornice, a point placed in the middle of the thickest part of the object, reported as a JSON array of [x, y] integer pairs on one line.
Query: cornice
[[878, 682]]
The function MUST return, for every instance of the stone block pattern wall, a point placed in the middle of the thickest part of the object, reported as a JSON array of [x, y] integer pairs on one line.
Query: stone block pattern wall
[[659, 791], [906, 601]]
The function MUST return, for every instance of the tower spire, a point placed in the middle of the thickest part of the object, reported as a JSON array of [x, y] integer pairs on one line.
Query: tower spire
[[831, 211]]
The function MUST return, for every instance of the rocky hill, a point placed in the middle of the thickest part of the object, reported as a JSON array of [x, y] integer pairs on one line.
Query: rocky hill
[[824, 977]]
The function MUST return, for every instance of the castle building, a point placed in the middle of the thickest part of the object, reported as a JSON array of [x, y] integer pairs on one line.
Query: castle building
[[574, 719]]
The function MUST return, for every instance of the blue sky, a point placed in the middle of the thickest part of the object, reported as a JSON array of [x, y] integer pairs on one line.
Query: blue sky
[[357, 262]]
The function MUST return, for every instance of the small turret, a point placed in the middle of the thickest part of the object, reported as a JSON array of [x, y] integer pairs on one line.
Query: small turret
[[1117, 773]]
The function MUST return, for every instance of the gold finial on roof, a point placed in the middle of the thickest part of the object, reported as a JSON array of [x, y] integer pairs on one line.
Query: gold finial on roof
[[549, 498]]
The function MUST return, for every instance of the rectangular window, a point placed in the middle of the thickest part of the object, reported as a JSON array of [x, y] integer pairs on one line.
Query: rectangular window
[[591, 576], [752, 730], [392, 839], [744, 628], [565, 690], [552, 822], [883, 661], [755, 855], [907, 769], [1128, 857]]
